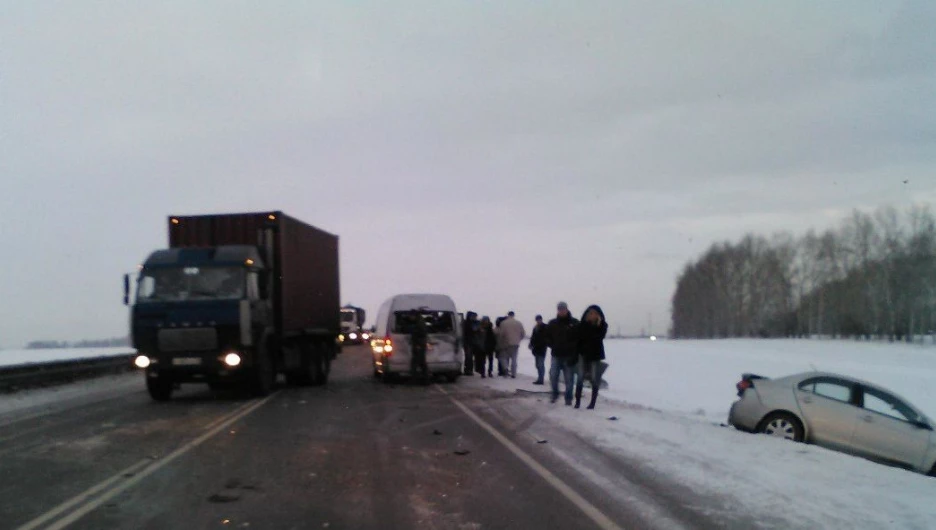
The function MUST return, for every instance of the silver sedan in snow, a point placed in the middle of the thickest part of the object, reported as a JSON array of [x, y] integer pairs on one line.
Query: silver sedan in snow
[[839, 413]]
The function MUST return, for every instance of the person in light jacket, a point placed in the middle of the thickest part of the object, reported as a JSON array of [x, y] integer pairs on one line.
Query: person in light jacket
[[512, 331], [591, 333]]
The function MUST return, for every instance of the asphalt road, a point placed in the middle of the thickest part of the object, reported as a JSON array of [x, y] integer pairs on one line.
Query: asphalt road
[[355, 454]]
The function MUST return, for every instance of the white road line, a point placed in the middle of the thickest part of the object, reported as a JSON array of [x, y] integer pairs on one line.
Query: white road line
[[233, 417], [81, 497], [589, 509]]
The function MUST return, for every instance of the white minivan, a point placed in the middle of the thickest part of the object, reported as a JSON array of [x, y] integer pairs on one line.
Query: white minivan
[[392, 346]]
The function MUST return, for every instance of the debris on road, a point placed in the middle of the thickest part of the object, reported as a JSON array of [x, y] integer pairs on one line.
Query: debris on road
[[219, 498]]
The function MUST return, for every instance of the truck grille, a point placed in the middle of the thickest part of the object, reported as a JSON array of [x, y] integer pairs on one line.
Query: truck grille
[[191, 339]]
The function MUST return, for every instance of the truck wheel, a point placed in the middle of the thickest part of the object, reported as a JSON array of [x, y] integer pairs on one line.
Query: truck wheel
[[264, 375], [324, 364], [160, 388]]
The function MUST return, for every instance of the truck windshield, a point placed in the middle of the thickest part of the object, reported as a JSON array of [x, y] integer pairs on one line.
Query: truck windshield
[[191, 283], [436, 321]]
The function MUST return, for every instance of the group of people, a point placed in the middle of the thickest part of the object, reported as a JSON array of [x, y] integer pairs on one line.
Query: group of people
[[485, 340], [577, 348]]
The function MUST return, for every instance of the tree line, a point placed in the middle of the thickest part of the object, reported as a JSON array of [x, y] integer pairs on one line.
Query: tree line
[[873, 276]]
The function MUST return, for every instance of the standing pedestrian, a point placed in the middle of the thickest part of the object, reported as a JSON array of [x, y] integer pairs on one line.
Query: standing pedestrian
[[562, 339], [513, 332], [490, 345], [592, 331], [500, 346], [419, 342], [538, 347], [471, 334]]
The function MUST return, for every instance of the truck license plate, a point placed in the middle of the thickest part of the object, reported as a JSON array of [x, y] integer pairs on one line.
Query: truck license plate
[[186, 361]]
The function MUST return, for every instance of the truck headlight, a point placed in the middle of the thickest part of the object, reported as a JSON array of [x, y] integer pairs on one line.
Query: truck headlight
[[352, 336], [141, 361], [232, 359], [365, 336]]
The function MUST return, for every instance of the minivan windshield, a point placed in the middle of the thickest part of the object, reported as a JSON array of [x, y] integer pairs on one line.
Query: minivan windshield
[[404, 322], [191, 283]]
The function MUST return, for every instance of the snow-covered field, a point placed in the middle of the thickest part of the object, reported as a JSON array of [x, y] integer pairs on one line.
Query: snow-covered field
[[698, 377], [16, 357], [669, 397]]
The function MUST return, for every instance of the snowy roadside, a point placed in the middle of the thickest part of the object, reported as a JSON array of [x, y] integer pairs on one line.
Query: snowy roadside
[[31, 403], [803, 485], [21, 357]]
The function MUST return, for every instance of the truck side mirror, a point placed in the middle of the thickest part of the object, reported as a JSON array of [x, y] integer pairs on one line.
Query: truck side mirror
[[126, 289]]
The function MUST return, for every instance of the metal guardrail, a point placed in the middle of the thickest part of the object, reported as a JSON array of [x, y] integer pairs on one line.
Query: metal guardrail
[[21, 376]]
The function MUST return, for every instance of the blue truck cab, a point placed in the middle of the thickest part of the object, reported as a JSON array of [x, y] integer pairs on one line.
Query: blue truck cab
[[212, 309]]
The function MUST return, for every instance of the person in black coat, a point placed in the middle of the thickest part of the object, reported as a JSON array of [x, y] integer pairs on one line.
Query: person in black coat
[[591, 334], [471, 335], [538, 347], [490, 346], [419, 340], [562, 339]]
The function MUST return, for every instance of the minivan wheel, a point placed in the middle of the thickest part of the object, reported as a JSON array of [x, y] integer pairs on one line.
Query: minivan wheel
[[782, 425]]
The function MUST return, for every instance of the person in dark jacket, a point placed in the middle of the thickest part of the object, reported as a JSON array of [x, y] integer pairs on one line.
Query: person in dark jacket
[[562, 339], [591, 334], [538, 347], [471, 334], [490, 346], [419, 341], [499, 346]]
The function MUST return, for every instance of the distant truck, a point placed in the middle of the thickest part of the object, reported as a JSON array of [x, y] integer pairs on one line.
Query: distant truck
[[235, 300], [352, 325]]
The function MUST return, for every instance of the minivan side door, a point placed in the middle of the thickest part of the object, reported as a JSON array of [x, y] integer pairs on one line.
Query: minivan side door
[[828, 406], [887, 430]]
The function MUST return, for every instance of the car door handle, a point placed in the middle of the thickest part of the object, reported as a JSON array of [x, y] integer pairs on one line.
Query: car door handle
[[807, 399], [868, 418]]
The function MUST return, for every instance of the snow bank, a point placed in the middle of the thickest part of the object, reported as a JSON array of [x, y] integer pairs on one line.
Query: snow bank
[[669, 396], [17, 357]]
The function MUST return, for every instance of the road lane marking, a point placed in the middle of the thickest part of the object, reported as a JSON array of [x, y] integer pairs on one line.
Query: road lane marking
[[144, 472], [589, 509], [83, 496]]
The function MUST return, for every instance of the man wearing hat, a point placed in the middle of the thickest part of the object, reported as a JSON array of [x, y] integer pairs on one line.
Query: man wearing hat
[[562, 339]]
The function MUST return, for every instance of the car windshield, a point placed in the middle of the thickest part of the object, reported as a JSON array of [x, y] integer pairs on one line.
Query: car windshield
[[436, 321], [347, 316], [191, 283]]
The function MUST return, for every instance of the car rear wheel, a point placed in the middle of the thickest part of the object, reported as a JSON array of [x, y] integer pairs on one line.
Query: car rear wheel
[[782, 425]]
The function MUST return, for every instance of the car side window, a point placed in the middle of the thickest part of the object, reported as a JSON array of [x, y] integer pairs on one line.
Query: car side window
[[828, 388], [888, 405]]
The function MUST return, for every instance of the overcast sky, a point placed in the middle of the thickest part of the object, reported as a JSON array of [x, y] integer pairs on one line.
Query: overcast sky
[[511, 154]]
